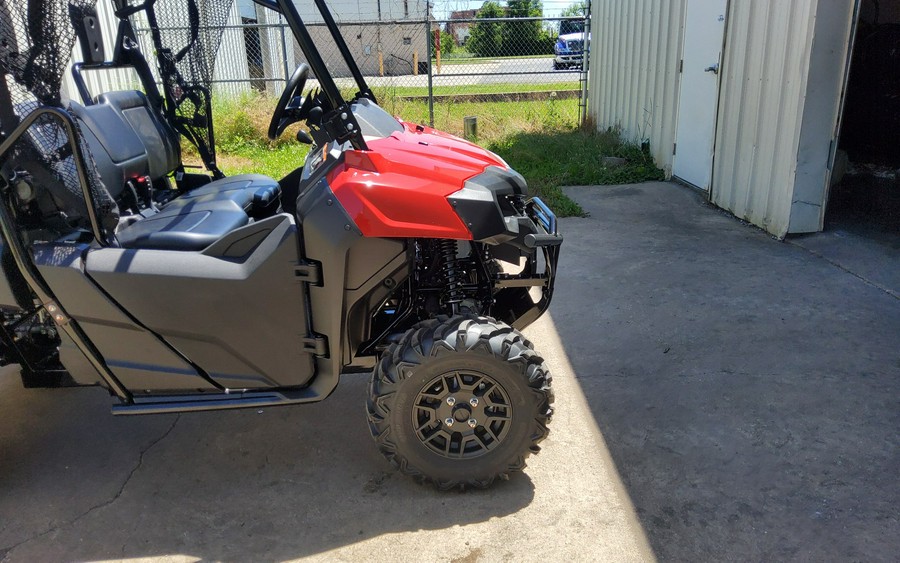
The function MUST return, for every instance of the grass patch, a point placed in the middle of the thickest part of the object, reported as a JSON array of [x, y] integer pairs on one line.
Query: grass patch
[[539, 138], [276, 162], [384, 93], [242, 145], [549, 160], [496, 120]]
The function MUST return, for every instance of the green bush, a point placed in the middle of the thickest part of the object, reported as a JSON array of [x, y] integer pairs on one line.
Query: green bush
[[448, 43]]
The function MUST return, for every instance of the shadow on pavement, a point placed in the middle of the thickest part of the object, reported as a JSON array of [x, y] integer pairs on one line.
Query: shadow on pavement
[[286, 483], [749, 391]]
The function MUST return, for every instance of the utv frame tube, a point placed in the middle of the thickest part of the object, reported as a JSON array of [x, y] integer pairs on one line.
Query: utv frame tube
[[287, 9], [26, 267], [342, 47]]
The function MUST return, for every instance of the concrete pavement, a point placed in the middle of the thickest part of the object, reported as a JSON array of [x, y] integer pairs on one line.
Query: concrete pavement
[[720, 396], [748, 389]]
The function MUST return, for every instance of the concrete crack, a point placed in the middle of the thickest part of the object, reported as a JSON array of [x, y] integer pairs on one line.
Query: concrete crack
[[838, 265], [5, 551]]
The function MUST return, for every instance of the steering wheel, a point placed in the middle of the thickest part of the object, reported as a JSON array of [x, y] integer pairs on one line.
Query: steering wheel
[[289, 105]]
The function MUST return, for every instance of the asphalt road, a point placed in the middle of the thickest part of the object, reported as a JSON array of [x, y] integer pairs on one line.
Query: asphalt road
[[500, 71]]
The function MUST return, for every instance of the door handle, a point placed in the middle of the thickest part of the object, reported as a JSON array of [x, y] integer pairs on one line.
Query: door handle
[[713, 69]]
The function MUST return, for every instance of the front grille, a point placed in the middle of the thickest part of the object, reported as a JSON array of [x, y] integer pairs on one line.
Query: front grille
[[575, 44]]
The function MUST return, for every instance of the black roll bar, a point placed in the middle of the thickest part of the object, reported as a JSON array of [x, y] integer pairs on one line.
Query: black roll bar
[[23, 259], [345, 51], [287, 9], [343, 125], [77, 156]]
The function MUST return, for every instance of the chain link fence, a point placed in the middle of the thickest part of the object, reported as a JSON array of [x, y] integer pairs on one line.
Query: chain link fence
[[512, 74]]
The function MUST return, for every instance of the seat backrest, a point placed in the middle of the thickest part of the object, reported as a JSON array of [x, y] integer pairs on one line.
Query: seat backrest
[[119, 154], [161, 142]]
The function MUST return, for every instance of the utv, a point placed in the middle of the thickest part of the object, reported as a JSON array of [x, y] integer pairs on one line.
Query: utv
[[394, 249]]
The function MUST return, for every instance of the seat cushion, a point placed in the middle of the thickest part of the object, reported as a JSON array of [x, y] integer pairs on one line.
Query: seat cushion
[[191, 226], [254, 193]]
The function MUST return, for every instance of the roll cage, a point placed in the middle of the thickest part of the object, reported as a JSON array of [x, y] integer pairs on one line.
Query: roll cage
[[337, 120], [186, 101]]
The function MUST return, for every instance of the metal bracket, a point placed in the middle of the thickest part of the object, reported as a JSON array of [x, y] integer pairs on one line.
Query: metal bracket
[[316, 345], [341, 125], [309, 272]]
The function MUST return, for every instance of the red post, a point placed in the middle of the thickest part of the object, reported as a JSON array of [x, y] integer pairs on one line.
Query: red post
[[437, 48]]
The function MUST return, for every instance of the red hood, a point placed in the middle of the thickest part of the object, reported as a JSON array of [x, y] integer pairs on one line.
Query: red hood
[[399, 187], [442, 157]]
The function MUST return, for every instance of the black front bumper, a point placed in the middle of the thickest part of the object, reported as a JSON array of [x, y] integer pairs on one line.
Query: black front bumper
[[539, 242]]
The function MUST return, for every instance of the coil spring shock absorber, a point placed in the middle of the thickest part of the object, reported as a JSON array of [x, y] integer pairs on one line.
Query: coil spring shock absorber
[[452, 276]]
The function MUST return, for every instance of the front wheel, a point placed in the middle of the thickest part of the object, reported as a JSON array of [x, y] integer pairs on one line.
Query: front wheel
[[460, 402]]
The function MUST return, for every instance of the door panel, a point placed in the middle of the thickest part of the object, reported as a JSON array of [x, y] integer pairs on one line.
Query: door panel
[[135, 356], [236, 310], [704, 31]]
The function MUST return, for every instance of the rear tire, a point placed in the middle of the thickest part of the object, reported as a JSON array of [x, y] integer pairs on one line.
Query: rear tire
[[480, 373]]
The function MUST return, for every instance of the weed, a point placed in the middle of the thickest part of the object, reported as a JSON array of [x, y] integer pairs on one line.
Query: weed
[[572, 157]]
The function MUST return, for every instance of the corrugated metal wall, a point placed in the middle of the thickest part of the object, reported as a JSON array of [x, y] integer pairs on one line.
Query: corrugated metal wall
[[635, 49], [828, 64], [764, 90], [231, 60], [764, 77]]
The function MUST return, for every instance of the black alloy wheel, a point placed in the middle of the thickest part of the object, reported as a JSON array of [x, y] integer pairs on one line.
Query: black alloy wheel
[[462, 414], [460, 402]]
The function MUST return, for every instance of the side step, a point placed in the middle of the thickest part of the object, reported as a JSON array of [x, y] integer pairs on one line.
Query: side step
[[161, 404]]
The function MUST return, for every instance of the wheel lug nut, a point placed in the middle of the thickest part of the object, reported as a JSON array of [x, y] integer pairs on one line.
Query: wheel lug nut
[[473, 401], [473, 423], [448, 421], [451, 401]]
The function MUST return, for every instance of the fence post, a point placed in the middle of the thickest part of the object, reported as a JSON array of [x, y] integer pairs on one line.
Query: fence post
[[585, 65], [281, 24], [430, 78]]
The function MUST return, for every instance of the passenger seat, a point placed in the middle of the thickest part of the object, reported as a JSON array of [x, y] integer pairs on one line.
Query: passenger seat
[[130, 143]]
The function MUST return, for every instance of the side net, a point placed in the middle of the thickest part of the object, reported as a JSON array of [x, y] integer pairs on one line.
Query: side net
[[36, 40], [187, 35]]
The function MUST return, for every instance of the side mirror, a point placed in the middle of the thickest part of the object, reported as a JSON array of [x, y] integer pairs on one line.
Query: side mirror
[[303, 137]]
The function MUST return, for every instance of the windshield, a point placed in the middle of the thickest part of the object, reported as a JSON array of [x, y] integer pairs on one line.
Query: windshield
[[374, 121]]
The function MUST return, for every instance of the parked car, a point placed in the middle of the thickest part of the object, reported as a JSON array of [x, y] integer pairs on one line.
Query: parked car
[[569, 51]]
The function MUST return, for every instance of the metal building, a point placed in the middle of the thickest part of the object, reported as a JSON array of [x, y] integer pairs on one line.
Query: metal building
[[740, 98], [231, 61]]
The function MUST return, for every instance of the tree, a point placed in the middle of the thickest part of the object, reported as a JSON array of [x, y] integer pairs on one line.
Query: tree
[[524, 37], [579, 9], [448, 42], [486, 38]]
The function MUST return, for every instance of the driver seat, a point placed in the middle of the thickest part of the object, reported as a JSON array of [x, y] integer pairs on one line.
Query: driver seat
[[128, 141]]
